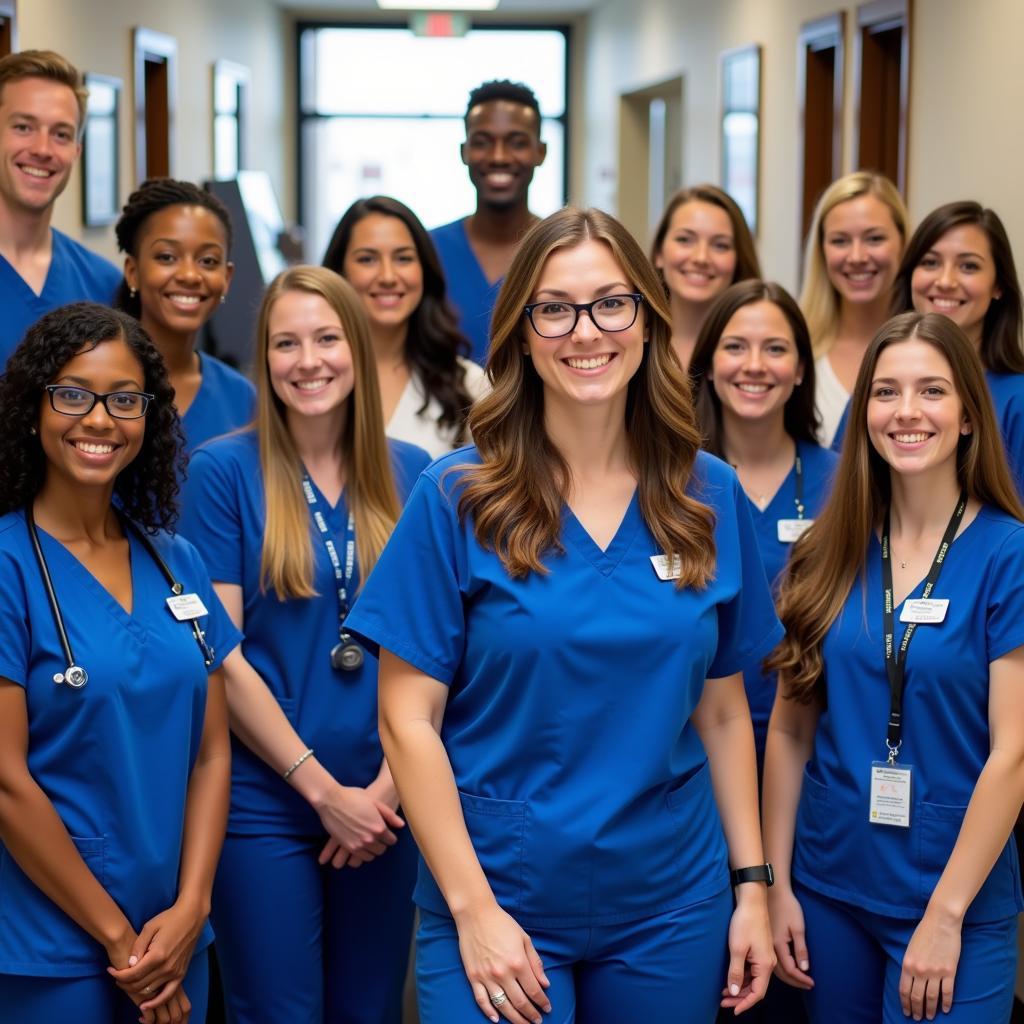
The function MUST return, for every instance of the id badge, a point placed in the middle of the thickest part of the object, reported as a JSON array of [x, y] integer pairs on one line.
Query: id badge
[[791, 530], [931, 609], [890, 794], [665, 569], [185, 607]]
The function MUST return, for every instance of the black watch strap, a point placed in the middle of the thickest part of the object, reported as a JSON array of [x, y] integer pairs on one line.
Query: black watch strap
[[758, 873]]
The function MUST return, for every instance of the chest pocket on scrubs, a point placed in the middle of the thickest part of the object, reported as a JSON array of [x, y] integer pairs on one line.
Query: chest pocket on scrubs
[[32, 922], [497, 829]]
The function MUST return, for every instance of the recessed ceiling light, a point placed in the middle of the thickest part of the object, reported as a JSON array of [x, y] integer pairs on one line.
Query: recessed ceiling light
[[437, 5]]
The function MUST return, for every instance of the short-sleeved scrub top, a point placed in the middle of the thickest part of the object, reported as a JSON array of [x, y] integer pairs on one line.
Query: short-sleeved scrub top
[[888, 869], [224, 402], [584, 785], [114, 757], [817, 468], [288, 642]]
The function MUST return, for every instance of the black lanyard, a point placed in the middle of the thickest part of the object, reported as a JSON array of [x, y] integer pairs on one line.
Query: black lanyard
[[896, 661], [798, 470]]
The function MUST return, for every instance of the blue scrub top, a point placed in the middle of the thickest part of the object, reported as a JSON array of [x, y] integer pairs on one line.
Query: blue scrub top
[[287, 642], [472, 295], [1007, 390], [584, 785], [75, 275], [887, 869], [113, 757], [224, 402], [818, 468]]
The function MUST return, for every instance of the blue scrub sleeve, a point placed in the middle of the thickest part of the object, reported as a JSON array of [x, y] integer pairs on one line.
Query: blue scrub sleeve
[[411, 604], [210, 515], [748, 627], [15, 640], [1005, 619]]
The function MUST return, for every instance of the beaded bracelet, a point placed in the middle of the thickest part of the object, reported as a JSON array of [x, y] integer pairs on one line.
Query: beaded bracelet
[[307, 754]]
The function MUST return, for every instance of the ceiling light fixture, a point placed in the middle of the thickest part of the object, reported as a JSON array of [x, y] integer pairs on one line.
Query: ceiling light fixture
[[437, 5]]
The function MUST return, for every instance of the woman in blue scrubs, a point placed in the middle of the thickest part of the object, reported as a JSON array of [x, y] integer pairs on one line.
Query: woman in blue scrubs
[[289, 516], [895, 761], [176, 238], [564, 612], [752, 376], [114, 772]]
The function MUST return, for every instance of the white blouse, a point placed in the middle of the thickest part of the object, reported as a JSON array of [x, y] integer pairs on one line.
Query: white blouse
[[830, 399]]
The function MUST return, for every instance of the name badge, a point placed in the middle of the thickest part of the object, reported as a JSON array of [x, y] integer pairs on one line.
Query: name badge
[[932, 609], [791, 530], [664, 569], [890, 794], [185, 607]]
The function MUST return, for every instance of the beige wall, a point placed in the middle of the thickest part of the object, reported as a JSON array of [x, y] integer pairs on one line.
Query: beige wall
[[967, 90], [98, 37]]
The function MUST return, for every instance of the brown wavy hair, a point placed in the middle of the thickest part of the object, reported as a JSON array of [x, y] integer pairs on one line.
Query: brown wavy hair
[[515, 496], [827, 560], [287, 558]]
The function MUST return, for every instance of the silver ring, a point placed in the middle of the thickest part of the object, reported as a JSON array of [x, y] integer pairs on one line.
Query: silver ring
[[499, 998], [148, 989]]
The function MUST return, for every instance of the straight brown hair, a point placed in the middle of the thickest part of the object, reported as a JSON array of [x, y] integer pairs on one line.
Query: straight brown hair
[[515, 496], [830, 556], [287, 559]]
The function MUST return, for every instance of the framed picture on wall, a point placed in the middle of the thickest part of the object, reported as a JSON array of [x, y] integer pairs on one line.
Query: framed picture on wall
[[100, 151], [230, 119], [741, 129]]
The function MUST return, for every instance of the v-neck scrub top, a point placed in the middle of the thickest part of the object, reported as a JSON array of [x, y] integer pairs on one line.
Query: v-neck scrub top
[[114, 757], [288, 642], [584, 785], [887, 869], [818, 465]]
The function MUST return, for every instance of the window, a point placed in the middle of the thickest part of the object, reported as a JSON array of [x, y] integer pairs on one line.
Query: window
[[382, 112]]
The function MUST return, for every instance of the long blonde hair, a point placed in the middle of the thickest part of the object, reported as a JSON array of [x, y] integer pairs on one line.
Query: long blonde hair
[[287, 560], [818, 298], [516, 495], [827, 560]]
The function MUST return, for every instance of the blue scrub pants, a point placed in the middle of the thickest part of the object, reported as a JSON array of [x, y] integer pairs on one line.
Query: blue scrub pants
[[95, 999], [670, 967], [857, 956], [303, 944]]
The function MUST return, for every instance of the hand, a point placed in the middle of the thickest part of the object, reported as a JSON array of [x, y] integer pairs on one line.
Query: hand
[[929, 966], [159, 960], [499, 957], [751, 957], [359, 826], [789, 937], [382, 789]]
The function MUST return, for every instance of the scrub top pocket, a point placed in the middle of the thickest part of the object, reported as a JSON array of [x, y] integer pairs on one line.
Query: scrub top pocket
[[497, 830]]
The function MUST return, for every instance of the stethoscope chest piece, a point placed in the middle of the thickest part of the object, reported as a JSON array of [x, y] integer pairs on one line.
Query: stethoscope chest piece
[[346, 656], [74, 675]]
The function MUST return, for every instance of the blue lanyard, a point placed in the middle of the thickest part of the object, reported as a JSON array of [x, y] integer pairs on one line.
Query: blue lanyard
[[342, 574]]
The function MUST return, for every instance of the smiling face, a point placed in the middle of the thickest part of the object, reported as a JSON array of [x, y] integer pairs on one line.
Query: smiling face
[[755, 365], [588, 365], [309, 360], [180, 268], [698, 255], [38, 142], [502, 150], [90, 450], [957, 277], [915, 417], [862, 247], [383, 266]]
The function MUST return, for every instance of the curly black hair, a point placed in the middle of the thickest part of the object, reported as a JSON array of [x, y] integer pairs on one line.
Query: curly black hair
[[503, 89], [152, 195], [147, 488], [434, 340]]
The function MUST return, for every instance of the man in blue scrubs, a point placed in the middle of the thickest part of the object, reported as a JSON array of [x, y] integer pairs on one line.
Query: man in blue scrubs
[[42, 111], [502, 150]]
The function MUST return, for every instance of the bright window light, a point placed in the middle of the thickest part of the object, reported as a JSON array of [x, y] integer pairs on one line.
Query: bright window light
[[437, 5]]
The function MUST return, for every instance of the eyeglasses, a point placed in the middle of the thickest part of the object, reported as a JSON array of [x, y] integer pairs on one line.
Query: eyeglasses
[[555, 319], [75, 401]]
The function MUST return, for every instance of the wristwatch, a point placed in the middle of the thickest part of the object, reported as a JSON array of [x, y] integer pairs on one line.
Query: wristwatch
[[758, 873]]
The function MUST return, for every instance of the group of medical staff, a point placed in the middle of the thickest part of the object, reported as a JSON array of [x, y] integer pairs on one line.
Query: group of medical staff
[[634, 589]]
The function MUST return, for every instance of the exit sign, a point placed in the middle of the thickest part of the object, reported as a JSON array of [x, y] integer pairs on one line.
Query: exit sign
[[439, 25]]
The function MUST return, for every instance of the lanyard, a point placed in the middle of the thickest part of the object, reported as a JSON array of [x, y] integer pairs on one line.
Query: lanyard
[[342, 574], [798, 470], [896, 661]]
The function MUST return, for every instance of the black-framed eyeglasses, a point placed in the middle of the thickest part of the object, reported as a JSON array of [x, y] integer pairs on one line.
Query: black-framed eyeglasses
[[70, 400], [555, 319]]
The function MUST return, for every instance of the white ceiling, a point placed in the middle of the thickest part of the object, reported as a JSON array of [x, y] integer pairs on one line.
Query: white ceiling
[[504, 7]]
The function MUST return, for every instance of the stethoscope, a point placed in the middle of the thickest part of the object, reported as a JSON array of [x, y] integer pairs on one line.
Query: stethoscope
[[75, 675]]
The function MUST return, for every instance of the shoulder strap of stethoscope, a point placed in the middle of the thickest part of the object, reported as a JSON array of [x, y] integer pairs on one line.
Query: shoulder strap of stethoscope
[[51, 596]]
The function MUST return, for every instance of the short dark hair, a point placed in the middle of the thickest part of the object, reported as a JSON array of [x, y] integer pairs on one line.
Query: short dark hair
[[503, 89], [800, 417], [147, 488], [1001, 349], [433, 342], [153, 195]]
